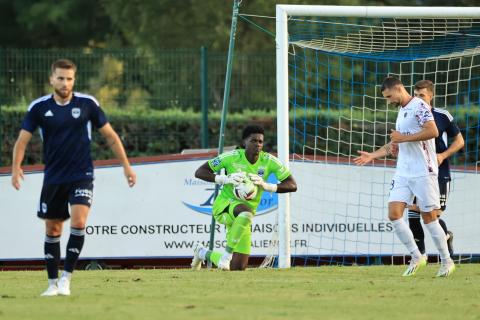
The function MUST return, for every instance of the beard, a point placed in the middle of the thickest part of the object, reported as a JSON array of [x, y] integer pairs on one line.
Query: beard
[[396, 104], [64, 94]]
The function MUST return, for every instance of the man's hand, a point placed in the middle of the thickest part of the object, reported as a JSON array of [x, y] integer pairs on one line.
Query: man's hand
[[440, 158], [130, 175], [364, 158], [234, 178], [17, 174], [257, 180], [396, 136]]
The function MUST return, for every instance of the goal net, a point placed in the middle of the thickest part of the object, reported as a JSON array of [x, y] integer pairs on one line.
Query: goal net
[[331, 62]]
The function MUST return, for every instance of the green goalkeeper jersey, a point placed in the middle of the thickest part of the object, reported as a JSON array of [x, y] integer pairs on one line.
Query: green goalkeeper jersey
[[236, 161]]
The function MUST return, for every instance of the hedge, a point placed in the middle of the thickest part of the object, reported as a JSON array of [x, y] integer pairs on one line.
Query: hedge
[[154, 132]]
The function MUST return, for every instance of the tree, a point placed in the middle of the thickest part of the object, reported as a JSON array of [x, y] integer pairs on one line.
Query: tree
[[50, 23]]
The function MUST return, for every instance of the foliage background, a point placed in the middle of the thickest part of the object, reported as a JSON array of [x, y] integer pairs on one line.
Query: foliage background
[[150, 23], [150, 37]]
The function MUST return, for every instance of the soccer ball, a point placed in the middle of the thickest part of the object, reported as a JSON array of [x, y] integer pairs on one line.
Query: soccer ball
[[246, 190]]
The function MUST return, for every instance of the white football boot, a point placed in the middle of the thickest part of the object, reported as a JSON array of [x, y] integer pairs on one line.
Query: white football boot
[[446, 269], [414, 266], [224, 263], [197, 261], [51, 291], [64, 286]]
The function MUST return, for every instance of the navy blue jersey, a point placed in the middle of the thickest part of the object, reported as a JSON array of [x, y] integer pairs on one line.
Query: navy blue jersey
[[447, 128], [66, 132]]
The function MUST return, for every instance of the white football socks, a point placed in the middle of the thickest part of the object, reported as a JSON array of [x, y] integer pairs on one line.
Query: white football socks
[[439, 239], [52, 282], [405, 235], [67, 274]]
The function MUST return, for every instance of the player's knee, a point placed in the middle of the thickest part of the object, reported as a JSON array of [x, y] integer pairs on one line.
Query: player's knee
[[246, 215], [238, 265], [428, 217], [53, 228], [241, 208]]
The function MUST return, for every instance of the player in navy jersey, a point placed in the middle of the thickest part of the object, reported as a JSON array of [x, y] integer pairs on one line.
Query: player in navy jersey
[[415, 175], [447, 129], [65, 120]]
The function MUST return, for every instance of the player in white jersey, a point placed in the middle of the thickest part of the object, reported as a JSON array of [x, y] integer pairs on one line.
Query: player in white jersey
[[416, 173], [415, 158]]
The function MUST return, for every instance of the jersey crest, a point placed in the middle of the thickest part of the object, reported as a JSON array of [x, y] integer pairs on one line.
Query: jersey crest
[[76, 112]]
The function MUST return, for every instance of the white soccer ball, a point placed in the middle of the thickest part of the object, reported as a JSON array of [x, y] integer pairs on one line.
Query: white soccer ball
[[246, 190]]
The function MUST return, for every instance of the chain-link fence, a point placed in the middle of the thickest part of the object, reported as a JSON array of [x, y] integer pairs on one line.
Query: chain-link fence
[[129, 78], [136, 81]]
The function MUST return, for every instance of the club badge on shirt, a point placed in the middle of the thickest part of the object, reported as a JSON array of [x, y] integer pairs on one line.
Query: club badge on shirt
[[76, 113]]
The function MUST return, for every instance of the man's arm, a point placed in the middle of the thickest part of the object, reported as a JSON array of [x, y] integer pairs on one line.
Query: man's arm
[[429, 131], [287, 185], [456, 145], [113, 140], [366, 157], [205, 173], [17, 158]]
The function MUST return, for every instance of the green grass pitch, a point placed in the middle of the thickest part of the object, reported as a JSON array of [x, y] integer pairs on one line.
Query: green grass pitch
[[375, 292]]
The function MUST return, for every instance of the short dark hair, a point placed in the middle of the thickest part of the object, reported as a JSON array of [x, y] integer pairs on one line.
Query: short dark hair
[[424, 84], [63, 64], [390, 82], [252, 129]]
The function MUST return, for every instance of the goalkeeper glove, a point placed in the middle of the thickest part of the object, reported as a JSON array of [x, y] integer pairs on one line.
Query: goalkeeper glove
[[256, 179], [234, 178]]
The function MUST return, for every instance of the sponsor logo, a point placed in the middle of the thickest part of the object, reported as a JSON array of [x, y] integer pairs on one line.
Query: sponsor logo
[[48, 256], [87, 193], [74, 250], [44, 207], [432, 206], [49, 113], [216, 162], [76, 112], [268, 202]]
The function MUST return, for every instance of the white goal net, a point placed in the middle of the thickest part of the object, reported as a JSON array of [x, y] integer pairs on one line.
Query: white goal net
[[331, 62]]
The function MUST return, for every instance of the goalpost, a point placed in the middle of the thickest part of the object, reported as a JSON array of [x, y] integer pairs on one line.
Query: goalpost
[[331, 61]]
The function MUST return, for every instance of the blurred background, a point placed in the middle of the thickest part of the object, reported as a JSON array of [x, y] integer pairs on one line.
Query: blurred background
[[151, 64]]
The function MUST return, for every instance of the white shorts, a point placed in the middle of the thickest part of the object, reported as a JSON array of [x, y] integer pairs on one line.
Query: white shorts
[[424, 188]]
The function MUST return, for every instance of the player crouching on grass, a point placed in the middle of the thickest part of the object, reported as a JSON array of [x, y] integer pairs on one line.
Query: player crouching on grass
[[232, 212]]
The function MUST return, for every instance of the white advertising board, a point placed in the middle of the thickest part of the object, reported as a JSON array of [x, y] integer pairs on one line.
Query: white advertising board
[[168, 211]]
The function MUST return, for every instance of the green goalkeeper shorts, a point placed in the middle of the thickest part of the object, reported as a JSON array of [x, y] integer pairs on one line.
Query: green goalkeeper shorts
[[223, 214]]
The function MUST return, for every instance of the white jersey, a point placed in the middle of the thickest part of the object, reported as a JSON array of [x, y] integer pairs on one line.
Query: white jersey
[[417, 158]]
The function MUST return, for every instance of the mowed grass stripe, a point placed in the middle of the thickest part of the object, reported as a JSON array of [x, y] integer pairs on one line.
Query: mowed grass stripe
[[373, 292]]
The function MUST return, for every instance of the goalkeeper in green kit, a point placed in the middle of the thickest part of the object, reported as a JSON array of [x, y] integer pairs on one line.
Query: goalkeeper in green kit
[[236, 214]]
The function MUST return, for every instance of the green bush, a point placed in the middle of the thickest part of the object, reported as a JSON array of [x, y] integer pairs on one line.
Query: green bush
[[154, 132], [146, 132]]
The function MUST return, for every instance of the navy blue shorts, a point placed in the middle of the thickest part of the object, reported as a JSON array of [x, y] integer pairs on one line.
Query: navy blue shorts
[[55, 198]]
